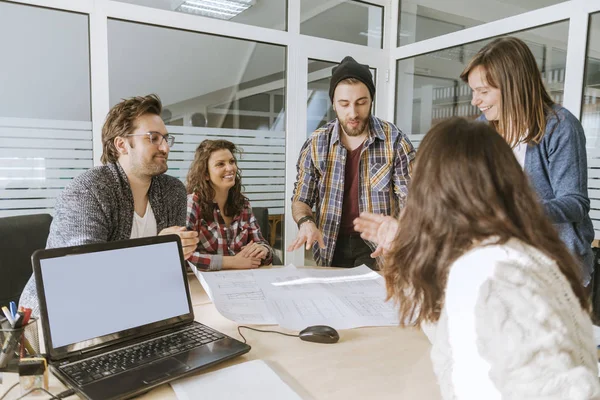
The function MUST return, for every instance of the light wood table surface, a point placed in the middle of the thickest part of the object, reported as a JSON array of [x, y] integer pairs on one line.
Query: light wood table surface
[[367, 363]]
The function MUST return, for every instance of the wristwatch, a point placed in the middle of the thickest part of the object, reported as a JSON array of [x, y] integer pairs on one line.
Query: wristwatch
[[304, 219]]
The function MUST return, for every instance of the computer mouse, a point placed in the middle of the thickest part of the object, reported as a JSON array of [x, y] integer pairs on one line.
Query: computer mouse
[[319, 334]]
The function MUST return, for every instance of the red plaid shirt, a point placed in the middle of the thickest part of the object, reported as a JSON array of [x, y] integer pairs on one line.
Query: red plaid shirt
[[217, 239]]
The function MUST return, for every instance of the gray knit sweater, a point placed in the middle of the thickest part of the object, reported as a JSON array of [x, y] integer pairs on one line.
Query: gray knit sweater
[[97, 206]]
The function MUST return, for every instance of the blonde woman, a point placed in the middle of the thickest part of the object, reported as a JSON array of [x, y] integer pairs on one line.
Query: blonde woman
[[547, 140]]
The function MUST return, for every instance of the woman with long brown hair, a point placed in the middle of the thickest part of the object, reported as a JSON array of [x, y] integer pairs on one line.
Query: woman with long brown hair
[[489, 268], [546, 138], [229, 234]]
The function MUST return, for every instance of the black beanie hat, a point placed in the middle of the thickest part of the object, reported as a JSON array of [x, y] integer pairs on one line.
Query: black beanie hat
[[349, 68]]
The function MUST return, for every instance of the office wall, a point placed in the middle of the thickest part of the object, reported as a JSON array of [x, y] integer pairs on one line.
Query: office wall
[[182, 65], [189, 62], [430, 59], [50, 51], [237, 73]]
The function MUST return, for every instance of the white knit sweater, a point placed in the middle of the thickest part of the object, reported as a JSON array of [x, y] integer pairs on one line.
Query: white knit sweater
[[512, 328]]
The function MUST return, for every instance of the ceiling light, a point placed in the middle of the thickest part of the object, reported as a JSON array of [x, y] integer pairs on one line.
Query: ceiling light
[[222, 9]]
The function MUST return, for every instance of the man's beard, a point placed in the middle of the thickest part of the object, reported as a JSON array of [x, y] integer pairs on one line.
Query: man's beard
[[153, 168], [363, 124]]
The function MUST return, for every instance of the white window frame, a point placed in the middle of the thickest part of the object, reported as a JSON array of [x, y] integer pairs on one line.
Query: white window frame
[[301, 48], [576, 12]]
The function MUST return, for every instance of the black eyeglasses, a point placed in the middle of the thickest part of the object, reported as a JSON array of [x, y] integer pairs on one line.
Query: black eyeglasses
[[157, 138]]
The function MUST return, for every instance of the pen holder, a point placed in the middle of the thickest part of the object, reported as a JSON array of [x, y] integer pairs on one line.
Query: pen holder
[[15, 342]]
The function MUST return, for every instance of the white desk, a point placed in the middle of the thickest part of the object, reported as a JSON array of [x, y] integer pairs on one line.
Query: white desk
[[367, 363]]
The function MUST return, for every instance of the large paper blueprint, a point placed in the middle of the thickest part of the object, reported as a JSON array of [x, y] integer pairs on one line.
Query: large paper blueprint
[[341, 298], [297, 297], [236, 295]]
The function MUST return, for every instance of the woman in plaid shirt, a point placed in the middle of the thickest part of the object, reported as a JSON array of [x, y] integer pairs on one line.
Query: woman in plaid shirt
[[229, 234]]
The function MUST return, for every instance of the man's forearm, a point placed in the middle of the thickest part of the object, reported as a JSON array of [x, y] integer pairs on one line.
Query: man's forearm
[[300, 209]]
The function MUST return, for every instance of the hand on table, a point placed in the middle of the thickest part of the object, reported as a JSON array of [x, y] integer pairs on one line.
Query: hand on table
[[256, 250], [242, 261]]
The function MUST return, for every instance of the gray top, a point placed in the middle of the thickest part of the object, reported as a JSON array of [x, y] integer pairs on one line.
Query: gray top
[[97, 206]]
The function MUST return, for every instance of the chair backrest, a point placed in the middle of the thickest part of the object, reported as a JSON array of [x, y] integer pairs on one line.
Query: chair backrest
[[262, 217], [21, 236], [594, 288]]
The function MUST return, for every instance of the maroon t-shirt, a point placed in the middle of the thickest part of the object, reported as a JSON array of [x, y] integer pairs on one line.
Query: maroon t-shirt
[[350, 209]]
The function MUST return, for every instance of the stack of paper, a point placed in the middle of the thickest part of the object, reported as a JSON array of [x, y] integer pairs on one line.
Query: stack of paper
[[296, 298], [252, 380]]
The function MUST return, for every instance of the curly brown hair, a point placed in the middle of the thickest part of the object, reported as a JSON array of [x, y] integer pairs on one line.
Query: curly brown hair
[[197, 180], [466, 186], [121, 119]]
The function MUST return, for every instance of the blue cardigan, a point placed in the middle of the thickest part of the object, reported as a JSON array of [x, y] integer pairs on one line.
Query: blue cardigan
[[557, 170]]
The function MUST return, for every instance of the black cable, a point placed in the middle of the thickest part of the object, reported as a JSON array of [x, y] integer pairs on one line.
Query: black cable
[[33, 390], [259, 330], [59, 396], [8, 391]]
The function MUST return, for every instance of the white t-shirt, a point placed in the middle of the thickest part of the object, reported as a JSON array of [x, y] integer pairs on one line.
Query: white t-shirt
[[144, 226], [520, 150]]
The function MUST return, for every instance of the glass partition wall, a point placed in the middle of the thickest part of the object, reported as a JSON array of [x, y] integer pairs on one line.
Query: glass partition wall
[[223, 69], [259, 76], [430, 88], [437, 39], [590, 116], [45, 114]]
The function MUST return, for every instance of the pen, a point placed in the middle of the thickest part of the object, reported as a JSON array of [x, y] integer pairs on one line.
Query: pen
[[8, 315], [18, 320], [13, 309], [28, 347], [26, 316], [10, 341], [8, 348], [4, 348]]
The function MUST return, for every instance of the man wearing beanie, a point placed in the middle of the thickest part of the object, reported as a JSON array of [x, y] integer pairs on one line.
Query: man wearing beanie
[[353, 164]]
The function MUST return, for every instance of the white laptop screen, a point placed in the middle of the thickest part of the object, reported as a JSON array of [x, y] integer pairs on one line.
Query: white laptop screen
[[95, 294]]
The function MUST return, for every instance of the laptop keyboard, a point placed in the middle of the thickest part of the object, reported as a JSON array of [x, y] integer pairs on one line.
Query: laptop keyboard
[[98, 367]]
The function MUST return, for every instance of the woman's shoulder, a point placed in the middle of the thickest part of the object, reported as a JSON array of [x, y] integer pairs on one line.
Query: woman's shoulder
[[560, 112], [495, 249], [562, 119], [512, 249], [512, 274], [469, 271], [488, 252], [510, 260], [194, 204], [193, 199], [246, 207]]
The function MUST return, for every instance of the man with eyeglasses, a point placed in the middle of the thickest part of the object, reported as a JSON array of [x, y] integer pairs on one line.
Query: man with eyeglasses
[[129, 196]]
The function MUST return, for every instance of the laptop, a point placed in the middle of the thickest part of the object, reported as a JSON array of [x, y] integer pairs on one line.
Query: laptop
[[117, 317]]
